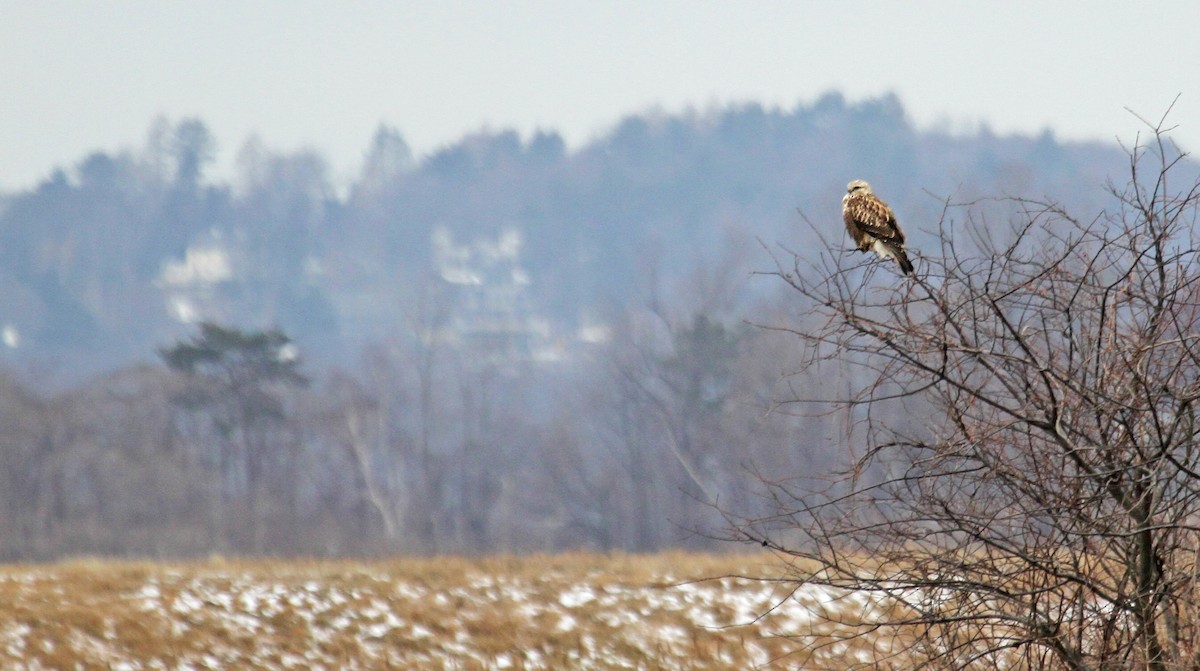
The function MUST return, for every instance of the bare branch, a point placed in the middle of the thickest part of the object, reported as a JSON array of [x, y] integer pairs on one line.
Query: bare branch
[[1029, 488]]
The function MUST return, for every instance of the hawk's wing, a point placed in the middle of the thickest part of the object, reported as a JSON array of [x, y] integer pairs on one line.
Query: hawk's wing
[[873, 217]]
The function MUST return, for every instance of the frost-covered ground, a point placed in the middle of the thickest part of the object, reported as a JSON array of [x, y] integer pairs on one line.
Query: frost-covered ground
[[569, 612]]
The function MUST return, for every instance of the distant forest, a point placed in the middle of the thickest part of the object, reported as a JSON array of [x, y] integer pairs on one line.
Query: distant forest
[[500, 346]]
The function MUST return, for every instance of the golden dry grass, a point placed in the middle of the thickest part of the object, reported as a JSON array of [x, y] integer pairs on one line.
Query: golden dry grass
[[573, 611]]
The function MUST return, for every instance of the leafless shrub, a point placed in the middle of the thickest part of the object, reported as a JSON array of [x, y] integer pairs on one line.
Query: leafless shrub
[[1023, 413]]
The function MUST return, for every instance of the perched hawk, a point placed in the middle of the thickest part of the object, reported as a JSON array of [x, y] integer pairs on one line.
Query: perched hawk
[[872, 224]]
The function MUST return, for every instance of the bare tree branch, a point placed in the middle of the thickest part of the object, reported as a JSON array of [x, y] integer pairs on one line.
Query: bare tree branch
[[1028, 493]]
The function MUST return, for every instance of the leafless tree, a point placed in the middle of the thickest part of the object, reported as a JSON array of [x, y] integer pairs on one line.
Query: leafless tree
[[1024, 490]]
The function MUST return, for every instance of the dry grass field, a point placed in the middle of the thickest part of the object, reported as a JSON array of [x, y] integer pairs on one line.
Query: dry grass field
[[578, 611]]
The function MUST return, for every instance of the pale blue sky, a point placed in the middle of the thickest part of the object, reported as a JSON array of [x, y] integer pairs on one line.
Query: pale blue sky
[[83, 75]]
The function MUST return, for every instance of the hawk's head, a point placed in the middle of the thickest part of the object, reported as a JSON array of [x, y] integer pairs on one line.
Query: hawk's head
[[858, 185]]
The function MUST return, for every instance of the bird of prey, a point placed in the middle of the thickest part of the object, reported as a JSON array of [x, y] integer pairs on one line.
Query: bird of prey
[[872, 224]]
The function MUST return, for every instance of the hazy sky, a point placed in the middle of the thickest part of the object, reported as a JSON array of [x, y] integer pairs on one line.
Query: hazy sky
[[79, 75]]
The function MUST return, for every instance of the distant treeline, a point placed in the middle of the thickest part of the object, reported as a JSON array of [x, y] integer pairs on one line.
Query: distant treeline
[[503, 345], [86, 256]]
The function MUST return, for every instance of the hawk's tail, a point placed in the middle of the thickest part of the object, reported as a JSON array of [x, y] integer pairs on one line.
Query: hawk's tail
[[887, 250]]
